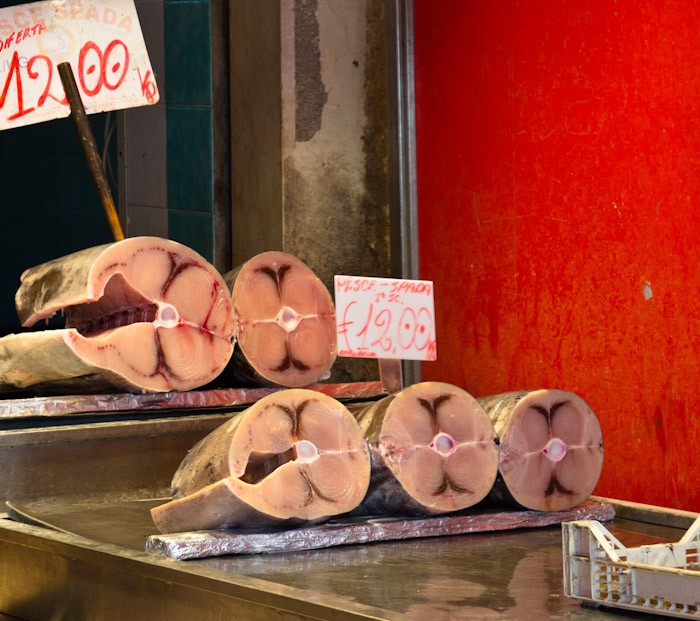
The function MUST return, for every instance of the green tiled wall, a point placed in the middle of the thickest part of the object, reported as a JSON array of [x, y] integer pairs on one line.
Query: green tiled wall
[[190, 164], [195, 230], [188, 52], [188, 100]]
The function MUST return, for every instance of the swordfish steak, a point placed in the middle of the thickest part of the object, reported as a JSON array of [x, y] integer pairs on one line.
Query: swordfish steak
[[293, 456], [285, 322], [143, 314], [433, 451], [551, 448]]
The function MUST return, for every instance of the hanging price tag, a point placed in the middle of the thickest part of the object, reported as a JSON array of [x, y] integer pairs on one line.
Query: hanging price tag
[[385, 318], [102, 41]]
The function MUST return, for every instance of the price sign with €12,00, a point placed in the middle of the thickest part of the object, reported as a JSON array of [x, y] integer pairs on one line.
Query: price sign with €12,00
[[385, 318], [102, 41]]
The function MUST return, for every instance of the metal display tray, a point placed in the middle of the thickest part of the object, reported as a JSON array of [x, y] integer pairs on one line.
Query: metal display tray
[[516, 574], [15, 409], [116, 522]]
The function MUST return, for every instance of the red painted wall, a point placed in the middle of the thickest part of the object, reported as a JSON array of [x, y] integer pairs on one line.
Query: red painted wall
[[558, 186]]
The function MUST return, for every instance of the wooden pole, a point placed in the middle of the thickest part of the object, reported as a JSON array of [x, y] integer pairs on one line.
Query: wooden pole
[[87, 139]]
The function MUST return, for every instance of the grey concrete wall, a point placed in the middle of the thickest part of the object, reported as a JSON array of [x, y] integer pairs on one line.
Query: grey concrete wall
[[335, 187], [309, 145]]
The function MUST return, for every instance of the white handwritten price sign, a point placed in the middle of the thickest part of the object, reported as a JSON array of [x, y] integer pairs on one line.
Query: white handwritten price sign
[[385, 318], [102, 41]]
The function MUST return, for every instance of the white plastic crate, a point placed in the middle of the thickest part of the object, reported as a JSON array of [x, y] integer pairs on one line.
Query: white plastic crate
[[661, 578]]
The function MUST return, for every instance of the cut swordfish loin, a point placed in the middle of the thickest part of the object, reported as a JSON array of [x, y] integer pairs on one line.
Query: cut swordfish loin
[[551, 448], [285, 322], [143, 314], [433, 451], [296, 455]]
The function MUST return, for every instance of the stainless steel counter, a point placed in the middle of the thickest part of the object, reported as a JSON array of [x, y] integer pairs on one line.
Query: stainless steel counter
[[46, 574]]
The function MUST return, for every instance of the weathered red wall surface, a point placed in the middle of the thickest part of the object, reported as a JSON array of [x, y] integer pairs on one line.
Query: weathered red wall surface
[[559, 189]]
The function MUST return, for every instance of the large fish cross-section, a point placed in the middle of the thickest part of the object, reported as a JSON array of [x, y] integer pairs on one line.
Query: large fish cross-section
[[551, 448], [293, 456], [433, 451], [143, 314], [285, 322]]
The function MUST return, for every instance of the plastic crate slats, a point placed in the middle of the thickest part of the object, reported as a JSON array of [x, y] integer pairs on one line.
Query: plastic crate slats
[[659, 578]]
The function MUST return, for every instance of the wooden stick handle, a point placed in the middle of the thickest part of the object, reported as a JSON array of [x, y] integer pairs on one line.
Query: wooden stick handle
[[87, 139]]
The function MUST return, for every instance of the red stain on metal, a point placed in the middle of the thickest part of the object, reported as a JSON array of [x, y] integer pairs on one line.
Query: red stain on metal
[[558, 158]]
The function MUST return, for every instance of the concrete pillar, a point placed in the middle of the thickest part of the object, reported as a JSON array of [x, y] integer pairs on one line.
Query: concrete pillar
[[310, 138]]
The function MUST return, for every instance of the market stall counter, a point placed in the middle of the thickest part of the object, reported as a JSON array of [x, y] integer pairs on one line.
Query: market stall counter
[[515, 574]]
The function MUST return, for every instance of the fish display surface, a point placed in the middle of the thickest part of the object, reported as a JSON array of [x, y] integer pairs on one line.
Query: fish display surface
[[294, 456], [551, 448], [285, 322], [433, 451], [144, 314]]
